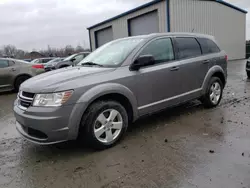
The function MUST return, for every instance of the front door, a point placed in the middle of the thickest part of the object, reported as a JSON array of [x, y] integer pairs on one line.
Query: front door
[[158, 84]]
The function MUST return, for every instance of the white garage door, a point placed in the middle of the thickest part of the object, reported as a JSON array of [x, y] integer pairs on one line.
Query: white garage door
[[103, 36], [145, 24]]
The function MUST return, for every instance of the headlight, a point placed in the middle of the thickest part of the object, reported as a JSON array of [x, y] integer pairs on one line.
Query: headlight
[[52, 99]]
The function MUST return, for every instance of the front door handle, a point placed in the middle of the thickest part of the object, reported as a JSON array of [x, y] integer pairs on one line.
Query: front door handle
[[174, 69], [13, 69], [206, 61]]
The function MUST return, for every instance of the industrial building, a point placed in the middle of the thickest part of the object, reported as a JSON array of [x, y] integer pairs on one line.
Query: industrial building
[[214, 17]]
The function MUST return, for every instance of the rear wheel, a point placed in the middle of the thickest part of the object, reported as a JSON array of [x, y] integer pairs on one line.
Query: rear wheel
[[213, 94], [248, 74], [104, 124], [19, 80]]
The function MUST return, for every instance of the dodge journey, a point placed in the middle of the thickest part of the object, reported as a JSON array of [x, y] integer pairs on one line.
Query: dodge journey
[[118, 83]]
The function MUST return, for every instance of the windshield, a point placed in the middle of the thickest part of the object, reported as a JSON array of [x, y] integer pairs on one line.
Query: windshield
[[35, 61], [113, 53], [51, 62], [69, 57]]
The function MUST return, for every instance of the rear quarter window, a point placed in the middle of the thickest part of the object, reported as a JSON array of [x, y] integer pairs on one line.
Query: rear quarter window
[[208, 46], [188, 47]]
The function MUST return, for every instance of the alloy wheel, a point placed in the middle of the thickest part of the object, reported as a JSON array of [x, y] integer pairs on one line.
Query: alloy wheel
[[215, 93], [108, 126]]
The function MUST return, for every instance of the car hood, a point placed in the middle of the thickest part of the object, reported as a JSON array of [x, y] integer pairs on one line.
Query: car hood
[[51, 81]]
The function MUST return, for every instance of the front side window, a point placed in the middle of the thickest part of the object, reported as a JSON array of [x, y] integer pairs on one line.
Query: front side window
[[160, 49], [208, 46], [78, 58], [113, 54], [187, 48], [4, 63], [35, 61]]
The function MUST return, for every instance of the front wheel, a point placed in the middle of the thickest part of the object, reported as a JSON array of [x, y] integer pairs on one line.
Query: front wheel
[[19, 80], [104, 124], [213, 94]]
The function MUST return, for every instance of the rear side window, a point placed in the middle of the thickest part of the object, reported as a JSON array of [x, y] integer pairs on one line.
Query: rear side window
[[208, 46], [160, 49], [45, 60], [4, 63], [187, 48]]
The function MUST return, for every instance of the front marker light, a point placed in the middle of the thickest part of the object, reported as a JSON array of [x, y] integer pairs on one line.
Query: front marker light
[[52, 99]]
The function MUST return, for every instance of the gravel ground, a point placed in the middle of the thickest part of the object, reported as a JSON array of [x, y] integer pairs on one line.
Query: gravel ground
[[184, 147]]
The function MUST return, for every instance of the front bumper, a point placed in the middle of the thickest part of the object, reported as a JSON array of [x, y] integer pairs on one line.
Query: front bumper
[[45, 126]]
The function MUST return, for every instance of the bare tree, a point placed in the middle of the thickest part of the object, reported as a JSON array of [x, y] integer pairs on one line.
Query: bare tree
[[69, 50], [9, 50]]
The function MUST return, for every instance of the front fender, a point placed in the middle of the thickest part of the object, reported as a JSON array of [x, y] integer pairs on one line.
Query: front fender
[[109, 88], [210, 73], [94, 93]]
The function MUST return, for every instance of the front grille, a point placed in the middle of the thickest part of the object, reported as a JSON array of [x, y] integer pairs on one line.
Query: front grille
[[25, 99], [28, 95], [25, 104]]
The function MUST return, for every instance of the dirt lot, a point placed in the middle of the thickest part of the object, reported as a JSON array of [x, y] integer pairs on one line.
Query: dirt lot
[[185, 147]]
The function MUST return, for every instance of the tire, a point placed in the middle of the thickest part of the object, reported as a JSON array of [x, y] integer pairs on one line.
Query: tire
[[63, 66], [248, 74], [207, 100], [91, 122], [19, 80]]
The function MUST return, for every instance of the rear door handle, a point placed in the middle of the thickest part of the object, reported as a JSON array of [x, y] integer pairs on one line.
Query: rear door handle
[[174, 69], [206, 61], [13, 69]]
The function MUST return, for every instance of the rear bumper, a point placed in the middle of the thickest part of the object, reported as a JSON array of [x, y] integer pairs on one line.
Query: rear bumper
[[46, 126]]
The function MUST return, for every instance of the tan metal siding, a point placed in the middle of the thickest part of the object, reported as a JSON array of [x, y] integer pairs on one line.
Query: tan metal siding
[[226, 24], [120, 25]]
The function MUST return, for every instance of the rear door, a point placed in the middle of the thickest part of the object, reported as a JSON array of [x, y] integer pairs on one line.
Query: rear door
[[193, 66], [7, 72], [211, 52]]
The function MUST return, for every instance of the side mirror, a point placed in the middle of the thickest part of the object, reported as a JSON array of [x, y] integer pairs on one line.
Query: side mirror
[[142, 61], [73, 59]]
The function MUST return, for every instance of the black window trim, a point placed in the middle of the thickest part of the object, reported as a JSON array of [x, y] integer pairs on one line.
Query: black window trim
[[152, 40], [177, 48]]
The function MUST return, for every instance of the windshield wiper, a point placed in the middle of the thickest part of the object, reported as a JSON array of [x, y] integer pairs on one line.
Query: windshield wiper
[[91, 63]]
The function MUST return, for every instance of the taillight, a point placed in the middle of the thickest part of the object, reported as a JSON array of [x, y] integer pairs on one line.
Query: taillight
[[38, 66], [226, 57]]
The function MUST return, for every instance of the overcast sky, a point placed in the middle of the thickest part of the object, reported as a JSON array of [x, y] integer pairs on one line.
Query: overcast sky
[[35, 24]]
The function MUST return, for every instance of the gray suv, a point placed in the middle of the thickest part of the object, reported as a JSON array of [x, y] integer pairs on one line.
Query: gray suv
[[118, 83]]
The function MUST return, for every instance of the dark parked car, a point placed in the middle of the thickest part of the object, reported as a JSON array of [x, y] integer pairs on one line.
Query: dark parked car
[[248, 68], [28, 60], [14, 72], [118, 83], [42, 60], [71, 60], [49, 65]]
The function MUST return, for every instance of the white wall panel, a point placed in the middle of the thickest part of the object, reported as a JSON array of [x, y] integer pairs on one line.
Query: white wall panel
[[226, 24]]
